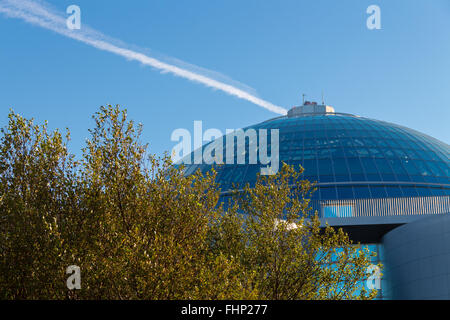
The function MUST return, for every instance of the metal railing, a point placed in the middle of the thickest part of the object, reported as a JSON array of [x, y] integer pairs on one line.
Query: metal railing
[[387, 206]]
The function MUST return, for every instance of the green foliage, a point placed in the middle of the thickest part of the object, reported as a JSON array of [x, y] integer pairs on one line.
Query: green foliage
[[138, 228]]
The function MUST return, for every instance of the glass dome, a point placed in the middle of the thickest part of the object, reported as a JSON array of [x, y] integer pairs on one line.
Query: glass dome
[[351, 157]]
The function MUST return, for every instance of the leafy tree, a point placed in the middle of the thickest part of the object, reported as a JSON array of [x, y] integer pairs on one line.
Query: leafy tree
[[282, 243], [139, 228], [36, 175], [145, 226]]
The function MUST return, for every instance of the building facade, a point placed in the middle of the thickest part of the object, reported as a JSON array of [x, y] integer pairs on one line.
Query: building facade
[[388, 186]]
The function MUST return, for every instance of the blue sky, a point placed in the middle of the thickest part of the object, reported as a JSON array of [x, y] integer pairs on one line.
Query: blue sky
[[282, 49]]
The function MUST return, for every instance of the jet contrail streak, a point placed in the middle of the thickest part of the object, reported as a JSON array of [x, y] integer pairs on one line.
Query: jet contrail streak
[[40, 14]]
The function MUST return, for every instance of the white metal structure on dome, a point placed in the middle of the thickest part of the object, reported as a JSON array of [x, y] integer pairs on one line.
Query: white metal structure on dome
[[308, 108]]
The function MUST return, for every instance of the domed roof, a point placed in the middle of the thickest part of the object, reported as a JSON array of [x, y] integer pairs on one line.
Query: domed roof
[[351, 157]]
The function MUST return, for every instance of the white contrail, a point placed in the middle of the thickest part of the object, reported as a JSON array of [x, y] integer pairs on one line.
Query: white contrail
[[40, 14]]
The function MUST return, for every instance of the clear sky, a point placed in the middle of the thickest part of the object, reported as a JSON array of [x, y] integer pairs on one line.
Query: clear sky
[[281, 48]]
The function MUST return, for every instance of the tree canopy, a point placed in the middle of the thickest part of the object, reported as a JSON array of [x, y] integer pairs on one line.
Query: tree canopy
[[139, 228]]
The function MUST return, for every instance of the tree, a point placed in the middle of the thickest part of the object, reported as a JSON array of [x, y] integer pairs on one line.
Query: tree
[[36, 174], [148, 221], [283, 244], [139, 228]]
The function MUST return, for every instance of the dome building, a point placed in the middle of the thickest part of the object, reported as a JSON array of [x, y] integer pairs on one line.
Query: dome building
[[388, 186]]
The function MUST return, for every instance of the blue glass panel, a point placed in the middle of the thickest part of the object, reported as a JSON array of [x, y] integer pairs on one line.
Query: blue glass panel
[[440, 191], [340, 166], [325, 167], [345, 192], [369, 165], [445, 167], [394, 191], [327, 178], [310, 166], [409, 191], [383, 166], [378, 191], [362, 192], [355, 165], [328, 193], [410, 167], [397, 166]]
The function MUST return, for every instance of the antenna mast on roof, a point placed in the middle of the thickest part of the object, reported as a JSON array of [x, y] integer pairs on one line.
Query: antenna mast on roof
[[303, 96], [323, 101]]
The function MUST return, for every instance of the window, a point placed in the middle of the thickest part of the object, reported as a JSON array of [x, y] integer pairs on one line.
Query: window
[[338, 211], [340, 166], [328, 193], [345, 192]]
